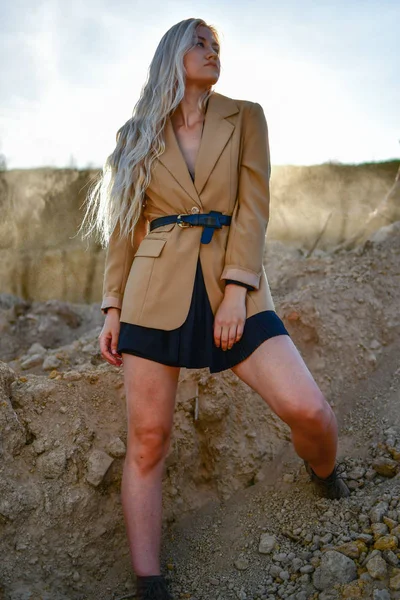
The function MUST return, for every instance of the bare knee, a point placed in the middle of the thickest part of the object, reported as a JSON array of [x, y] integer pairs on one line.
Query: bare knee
[[147, 447], [312, 414]]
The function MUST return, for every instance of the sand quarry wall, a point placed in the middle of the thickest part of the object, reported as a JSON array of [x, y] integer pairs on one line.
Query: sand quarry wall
[[43, 257]]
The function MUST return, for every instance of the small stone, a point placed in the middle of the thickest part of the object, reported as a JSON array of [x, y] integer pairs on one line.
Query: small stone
[[385, 467], [381, 595], [241, 564], [395, 452], [89, 349], [389, 522], [51, 362], [327, 538], [335, 568], [394, 583], [370, 474], [357, 473], [32, 361], [377, 513], [52, 464], [377, 567], [267, 543], [353, 590], [390, 558], [352, 549], [365, 537], [97, 466], [116, 448], [36, 348], [307, 569], [386, 542], [288, 478], [379, 530]]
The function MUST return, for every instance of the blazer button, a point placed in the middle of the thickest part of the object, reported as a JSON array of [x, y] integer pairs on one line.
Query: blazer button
[[195, 209]]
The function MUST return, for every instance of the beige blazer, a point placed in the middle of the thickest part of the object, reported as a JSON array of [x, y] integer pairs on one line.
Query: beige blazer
[[151, 280]]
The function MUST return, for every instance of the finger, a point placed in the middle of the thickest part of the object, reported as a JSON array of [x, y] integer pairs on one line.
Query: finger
[[105, 342], [232, 336], [217, 335], [225, 337], [239, 331]]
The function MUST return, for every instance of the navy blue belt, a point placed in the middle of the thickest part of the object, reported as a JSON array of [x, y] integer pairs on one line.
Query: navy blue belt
[[210, 221]]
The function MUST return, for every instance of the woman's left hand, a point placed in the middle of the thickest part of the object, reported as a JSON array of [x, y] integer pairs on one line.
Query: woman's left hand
[[230, 317]]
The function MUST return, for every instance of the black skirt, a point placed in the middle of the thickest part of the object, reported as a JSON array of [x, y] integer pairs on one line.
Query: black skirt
[[192, 344]]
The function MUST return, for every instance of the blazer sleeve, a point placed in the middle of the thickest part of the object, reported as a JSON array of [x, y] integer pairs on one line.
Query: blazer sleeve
[[119, 258], [246, 239]]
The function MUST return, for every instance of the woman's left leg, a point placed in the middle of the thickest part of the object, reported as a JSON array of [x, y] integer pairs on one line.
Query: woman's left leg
[[278, 373]]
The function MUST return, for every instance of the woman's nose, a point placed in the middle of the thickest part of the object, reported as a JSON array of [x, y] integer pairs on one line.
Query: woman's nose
[[212, 54]]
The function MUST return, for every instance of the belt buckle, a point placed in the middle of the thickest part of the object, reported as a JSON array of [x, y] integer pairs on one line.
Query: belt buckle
[[182, 223]]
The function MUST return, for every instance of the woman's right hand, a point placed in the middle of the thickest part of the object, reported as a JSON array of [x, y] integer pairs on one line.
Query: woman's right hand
[[108, 337]]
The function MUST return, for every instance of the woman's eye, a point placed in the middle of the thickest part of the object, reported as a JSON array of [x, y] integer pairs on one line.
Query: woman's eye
[[201, 43]]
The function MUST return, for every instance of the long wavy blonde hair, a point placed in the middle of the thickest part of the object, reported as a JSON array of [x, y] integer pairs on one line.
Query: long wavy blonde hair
[[118, 191]]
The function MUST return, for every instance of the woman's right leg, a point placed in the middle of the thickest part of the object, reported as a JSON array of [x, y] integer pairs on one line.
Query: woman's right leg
[[150, 389]]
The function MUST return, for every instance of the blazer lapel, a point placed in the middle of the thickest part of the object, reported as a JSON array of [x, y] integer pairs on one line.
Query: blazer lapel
[[173, 160], [216, 133]]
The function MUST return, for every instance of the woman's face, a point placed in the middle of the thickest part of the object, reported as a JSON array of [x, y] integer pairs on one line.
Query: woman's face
[[202, 62]]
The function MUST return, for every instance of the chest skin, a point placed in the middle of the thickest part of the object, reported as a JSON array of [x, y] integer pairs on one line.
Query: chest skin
[[189, 143]]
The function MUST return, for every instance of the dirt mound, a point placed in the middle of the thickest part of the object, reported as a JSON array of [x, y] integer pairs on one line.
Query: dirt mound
[[231, 473]]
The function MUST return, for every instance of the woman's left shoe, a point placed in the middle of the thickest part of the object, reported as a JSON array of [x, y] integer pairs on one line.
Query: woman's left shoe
[[152, 587], [332, 487]]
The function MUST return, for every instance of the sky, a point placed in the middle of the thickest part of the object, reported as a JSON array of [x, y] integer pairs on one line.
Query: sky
[[325, 72]]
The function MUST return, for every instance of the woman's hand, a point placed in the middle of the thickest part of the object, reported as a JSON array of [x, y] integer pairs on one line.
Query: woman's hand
[[108, 337], [230, 317]]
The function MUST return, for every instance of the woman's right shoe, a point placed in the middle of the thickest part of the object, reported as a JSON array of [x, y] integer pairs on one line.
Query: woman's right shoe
[[152, 587], [332, 487]]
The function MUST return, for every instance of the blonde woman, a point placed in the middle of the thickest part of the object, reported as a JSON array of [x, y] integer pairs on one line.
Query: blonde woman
[[182, 206]]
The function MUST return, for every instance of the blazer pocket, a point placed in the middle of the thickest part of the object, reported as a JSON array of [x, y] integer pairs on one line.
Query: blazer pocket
[[149, 247]]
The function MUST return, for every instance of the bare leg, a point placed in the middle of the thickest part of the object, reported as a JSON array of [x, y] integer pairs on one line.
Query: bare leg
[[150, 389], [277, 372]]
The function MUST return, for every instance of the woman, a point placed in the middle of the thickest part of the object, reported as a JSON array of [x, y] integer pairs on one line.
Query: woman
[[192, 291]]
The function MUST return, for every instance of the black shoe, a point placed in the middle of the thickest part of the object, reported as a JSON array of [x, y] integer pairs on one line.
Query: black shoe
[[152, 587], [332, 487]]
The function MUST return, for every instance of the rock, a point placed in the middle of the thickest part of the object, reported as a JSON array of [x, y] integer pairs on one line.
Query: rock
[[394, 583], [353, 590], [51, 362], [335, 568], [352, 549], [381, 595], [116, 448], [377, 513], [36, 348], [377, 567], [53, 463], [32, 361], [379, 529], [267, 543], [396, 531], [357, 473], [89, 349], [327, 538], [97, 466], [390, 558], [385, 467], [241, 564], [12, 431], [389, 522], [395, 452], [370, 474], [386, 542]]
